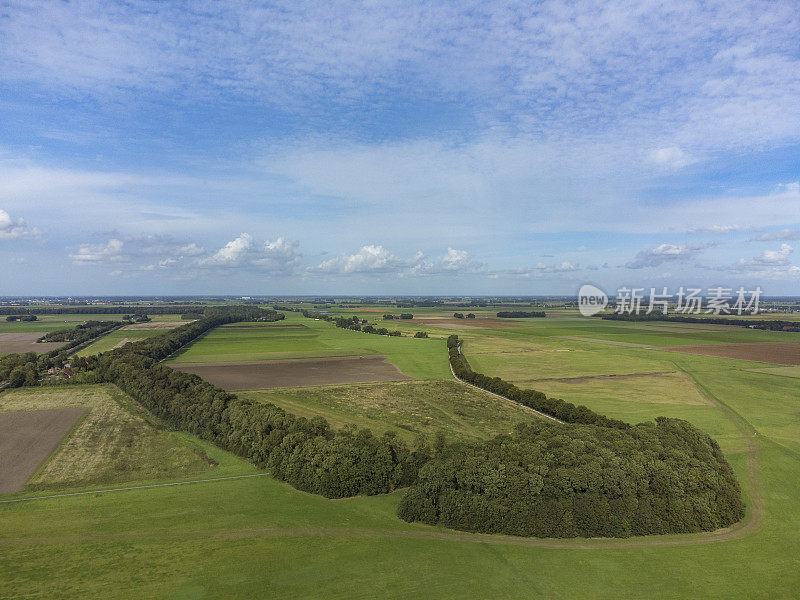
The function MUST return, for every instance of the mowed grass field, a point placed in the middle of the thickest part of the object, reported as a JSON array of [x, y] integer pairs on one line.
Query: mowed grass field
[[255, 538], [298, 337]]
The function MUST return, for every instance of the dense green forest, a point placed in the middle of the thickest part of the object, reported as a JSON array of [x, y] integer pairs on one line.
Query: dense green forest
[[580, 480]]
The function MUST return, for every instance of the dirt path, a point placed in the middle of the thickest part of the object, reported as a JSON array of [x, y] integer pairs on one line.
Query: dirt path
[[752, 522], [541, 415]]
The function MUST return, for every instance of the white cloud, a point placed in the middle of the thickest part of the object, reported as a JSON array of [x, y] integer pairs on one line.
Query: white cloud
[[191, 249], [377, 259], [672, 157], [369, 259], [769, 258], [279, 257], [13, 229], [715, 228], [231, 254], [780, 236], [652, 257], [98, 253]]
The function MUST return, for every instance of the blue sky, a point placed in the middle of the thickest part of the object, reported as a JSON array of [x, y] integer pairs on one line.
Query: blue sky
[[398, 148]]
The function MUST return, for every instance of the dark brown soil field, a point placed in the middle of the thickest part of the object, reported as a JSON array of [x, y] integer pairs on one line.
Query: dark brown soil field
[[27, 437], [776, 353], [11, 343], [296, 372], [451, 323]]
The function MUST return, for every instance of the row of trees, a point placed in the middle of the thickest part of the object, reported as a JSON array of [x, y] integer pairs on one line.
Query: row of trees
[[520, 314], [579, 480], [306, 453], [404, 316], [560, 409], [25, 369], [82, 332], [22, 318], [766, 324], [355, 324], [461, 315]]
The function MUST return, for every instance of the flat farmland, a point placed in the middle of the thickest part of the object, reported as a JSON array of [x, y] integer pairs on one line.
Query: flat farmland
[[295, 372], [777, 353], [27, 437], [298, 337], [116, 441], [11, 343], [268, 538]]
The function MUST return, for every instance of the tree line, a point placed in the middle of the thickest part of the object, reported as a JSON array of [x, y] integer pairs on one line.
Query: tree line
[[520, 314], [555, 407], [306, 453], [765, 324]]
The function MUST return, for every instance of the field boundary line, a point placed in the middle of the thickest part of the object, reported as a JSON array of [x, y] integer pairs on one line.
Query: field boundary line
[[527, 408], [133, 487], [753, 521]]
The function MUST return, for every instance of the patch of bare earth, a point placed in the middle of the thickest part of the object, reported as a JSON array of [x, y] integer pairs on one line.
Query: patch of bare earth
[[295, 372], [12, 343], [776, 353], [27, 437]]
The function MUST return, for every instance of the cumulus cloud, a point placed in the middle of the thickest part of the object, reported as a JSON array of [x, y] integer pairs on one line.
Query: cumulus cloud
[[88, 254], [231, 254], [453, 261], [368, 259], [653, 257], [769, 258], [279, 257], [13, 229], [377, 259]]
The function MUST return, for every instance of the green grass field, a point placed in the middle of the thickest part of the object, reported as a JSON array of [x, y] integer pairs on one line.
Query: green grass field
[[255, 538], [298, 337]]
